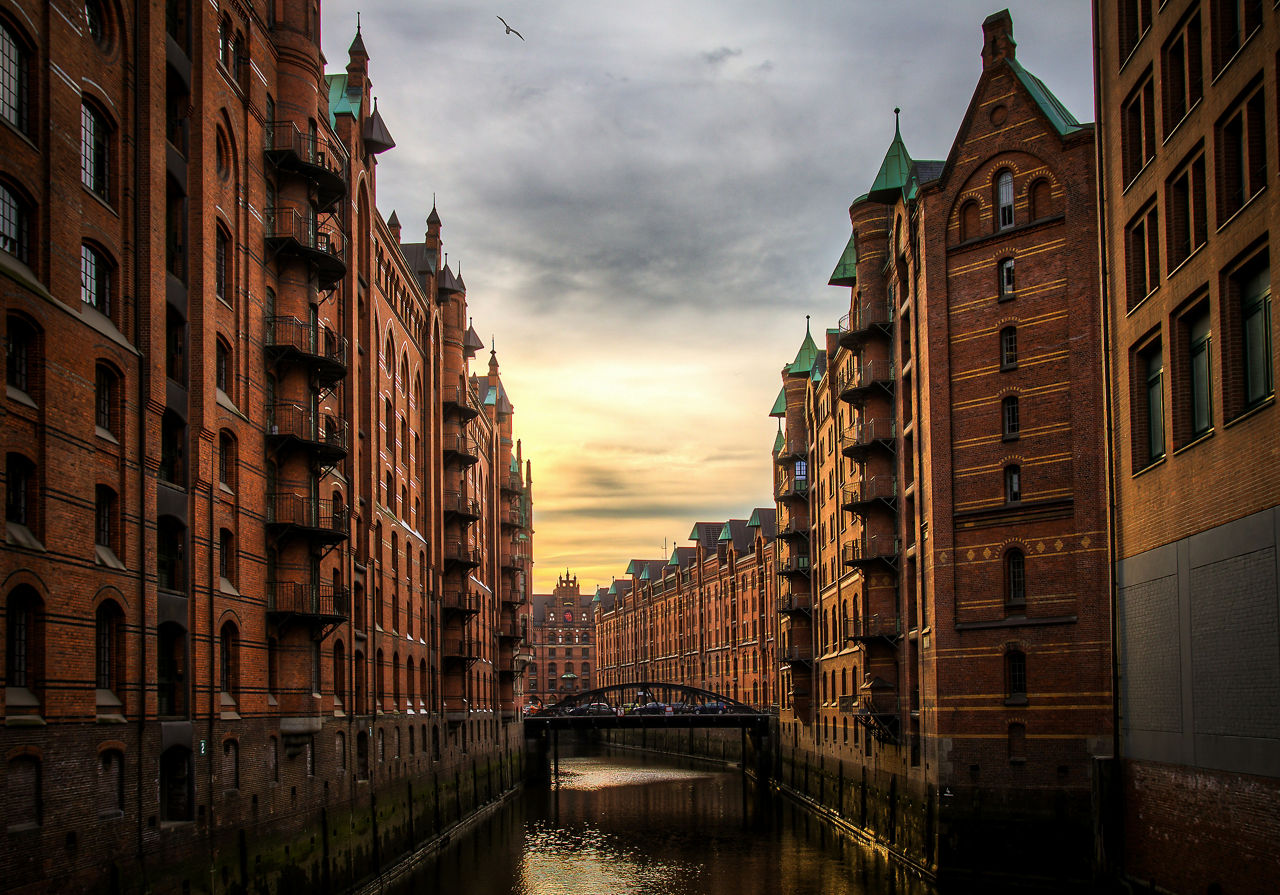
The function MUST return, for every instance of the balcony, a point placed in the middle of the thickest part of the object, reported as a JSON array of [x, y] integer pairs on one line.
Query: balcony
[[319, 604], [794, 601], [322, 520], [457, 400], [310, 156], [869, 550], [795, 529], [792, 449], [794, 565], [513, 517], [796, 654], [463, 603], [315, 346], [517, 556], [460, 553], [514, 595], [291, 232], [857, 496], [861, 379], [290, 424], [873, 627], [512, 628], [459, 649], [461, 504], [510, 482], [879, 713], [461, 448], [792, 488], [866, 320], [869, 434]]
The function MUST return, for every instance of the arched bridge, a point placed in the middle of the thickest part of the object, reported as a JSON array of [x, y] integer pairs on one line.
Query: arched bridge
[[646, 704]]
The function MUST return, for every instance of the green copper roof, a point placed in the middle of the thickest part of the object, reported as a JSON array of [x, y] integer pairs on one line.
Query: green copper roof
[[807, 354], [725, 534], [895, 170], [644, 576], [339, 100], [846, 272], [779, 442], [633, 566], [780, 405], [1054, 110], [754, 521], [673, 561]]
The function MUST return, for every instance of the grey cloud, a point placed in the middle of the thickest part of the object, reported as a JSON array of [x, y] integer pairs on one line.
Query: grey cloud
[[719, 55]]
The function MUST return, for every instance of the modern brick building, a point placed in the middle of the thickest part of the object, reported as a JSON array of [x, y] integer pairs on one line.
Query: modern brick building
[[702, 618], [560, 643], [267, 533], [940, 477], [1187, 97]]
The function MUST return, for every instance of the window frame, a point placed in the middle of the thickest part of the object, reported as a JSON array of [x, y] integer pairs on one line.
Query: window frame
[[96, 133], [1005, 200], [1013, 483], [15, 223], [1010, 418], [1009, 347], [1240, 137], [1006, 279], [15, 77]]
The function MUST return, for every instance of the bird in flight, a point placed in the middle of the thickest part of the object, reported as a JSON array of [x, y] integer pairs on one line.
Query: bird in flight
[[510, 30]]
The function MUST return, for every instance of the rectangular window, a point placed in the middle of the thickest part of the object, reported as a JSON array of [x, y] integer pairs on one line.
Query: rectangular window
[[1008, 348], [1186, 219], [1149, 408], [1199, 393], [1006, 282], [93, 150], [1138, 127], [1012, 484], [1142, 255], [1250, 290], [1233, 22], [1011, 424], [103, 511], [220, 265], [104, 397], [1182, 72], [1241, 155], [13, 79], [1134, 20]]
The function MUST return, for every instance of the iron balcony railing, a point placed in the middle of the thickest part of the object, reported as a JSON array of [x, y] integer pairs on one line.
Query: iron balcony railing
[[792, 449], [878, 487], [462, 446], [458, 398], [794, 601], [870, 548], [312, 156], [867, 432], [459, 648], [869, 627], [289, 229], [319, 344], [461, 504], [511, 482], [329, 434], [794, 564], [860, 376], [317, 514], [862, 319], [790, 486], [796, 652], [460, 601], [317, 599], [462, 553]]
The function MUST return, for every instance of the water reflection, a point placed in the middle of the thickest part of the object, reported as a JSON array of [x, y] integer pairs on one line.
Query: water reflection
[[637, 826]]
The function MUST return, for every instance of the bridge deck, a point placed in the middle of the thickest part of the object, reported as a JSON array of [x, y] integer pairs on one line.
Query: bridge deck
[[537, 723]]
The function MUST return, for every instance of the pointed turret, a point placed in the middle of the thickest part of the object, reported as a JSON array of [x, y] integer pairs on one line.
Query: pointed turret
[[376, 136], [895, 170], [393, 224], [806, 356], [493, 361], [357, 64]]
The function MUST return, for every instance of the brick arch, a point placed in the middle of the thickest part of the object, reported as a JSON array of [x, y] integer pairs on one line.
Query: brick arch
[[26, 577], [980, 184]]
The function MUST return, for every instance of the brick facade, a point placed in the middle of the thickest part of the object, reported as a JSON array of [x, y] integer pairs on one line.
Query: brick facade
[[267, 532]]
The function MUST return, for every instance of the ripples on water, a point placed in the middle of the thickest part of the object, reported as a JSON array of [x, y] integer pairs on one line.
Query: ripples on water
[[626, 825]]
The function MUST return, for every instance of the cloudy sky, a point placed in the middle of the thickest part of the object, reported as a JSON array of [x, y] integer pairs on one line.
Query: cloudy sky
[[646, 199]]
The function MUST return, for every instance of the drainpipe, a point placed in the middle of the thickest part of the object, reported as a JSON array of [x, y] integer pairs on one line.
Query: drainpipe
[[143, 383]]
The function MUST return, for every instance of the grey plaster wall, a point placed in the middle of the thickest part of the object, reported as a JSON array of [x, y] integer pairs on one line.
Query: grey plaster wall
[[1198, 636]]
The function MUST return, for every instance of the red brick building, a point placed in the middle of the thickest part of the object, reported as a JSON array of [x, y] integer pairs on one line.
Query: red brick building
[[702, 618], [946, 638], [560, 644], [266, 532], [1187, 93]]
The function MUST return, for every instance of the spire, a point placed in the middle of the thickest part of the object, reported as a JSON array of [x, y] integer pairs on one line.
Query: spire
[[807, 355], [493, 359], [895, 170], [393, 224], [357, 50]]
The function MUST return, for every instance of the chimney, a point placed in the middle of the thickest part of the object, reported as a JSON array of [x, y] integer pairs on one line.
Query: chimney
[[997, 39]]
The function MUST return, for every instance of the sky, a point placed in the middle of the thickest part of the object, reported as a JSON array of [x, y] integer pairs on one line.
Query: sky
[[646, 200]]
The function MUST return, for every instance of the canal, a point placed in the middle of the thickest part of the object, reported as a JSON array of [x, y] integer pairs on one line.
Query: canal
[[622, 823]]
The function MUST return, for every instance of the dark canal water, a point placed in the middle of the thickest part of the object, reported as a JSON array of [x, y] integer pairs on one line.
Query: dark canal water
[[628, 824]]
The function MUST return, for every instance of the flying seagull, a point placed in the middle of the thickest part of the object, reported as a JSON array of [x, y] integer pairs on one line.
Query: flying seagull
[[510, 30]]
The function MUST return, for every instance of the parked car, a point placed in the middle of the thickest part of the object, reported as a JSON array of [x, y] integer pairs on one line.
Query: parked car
[[651, 708], [593, 708], [711, 708]]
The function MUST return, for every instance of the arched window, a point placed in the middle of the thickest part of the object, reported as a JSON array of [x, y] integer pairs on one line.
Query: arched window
[[95, 150], [227, 555], [95, 281], [106, 394], [24, 645], [379, 682], [969, 215], [1015, 578], [15, 63], [227, 459], [14, 223], [1008, 347], [395, 680], [229, 659], [1012, 483], [1017, 742], [110, 787], [1015, 676], [95, 18], [108, 646], [389, 356], [222, 264], [339, 672], [22, 493], [1041, 199], [1004, 200], [1010, 422], [225, 40]]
